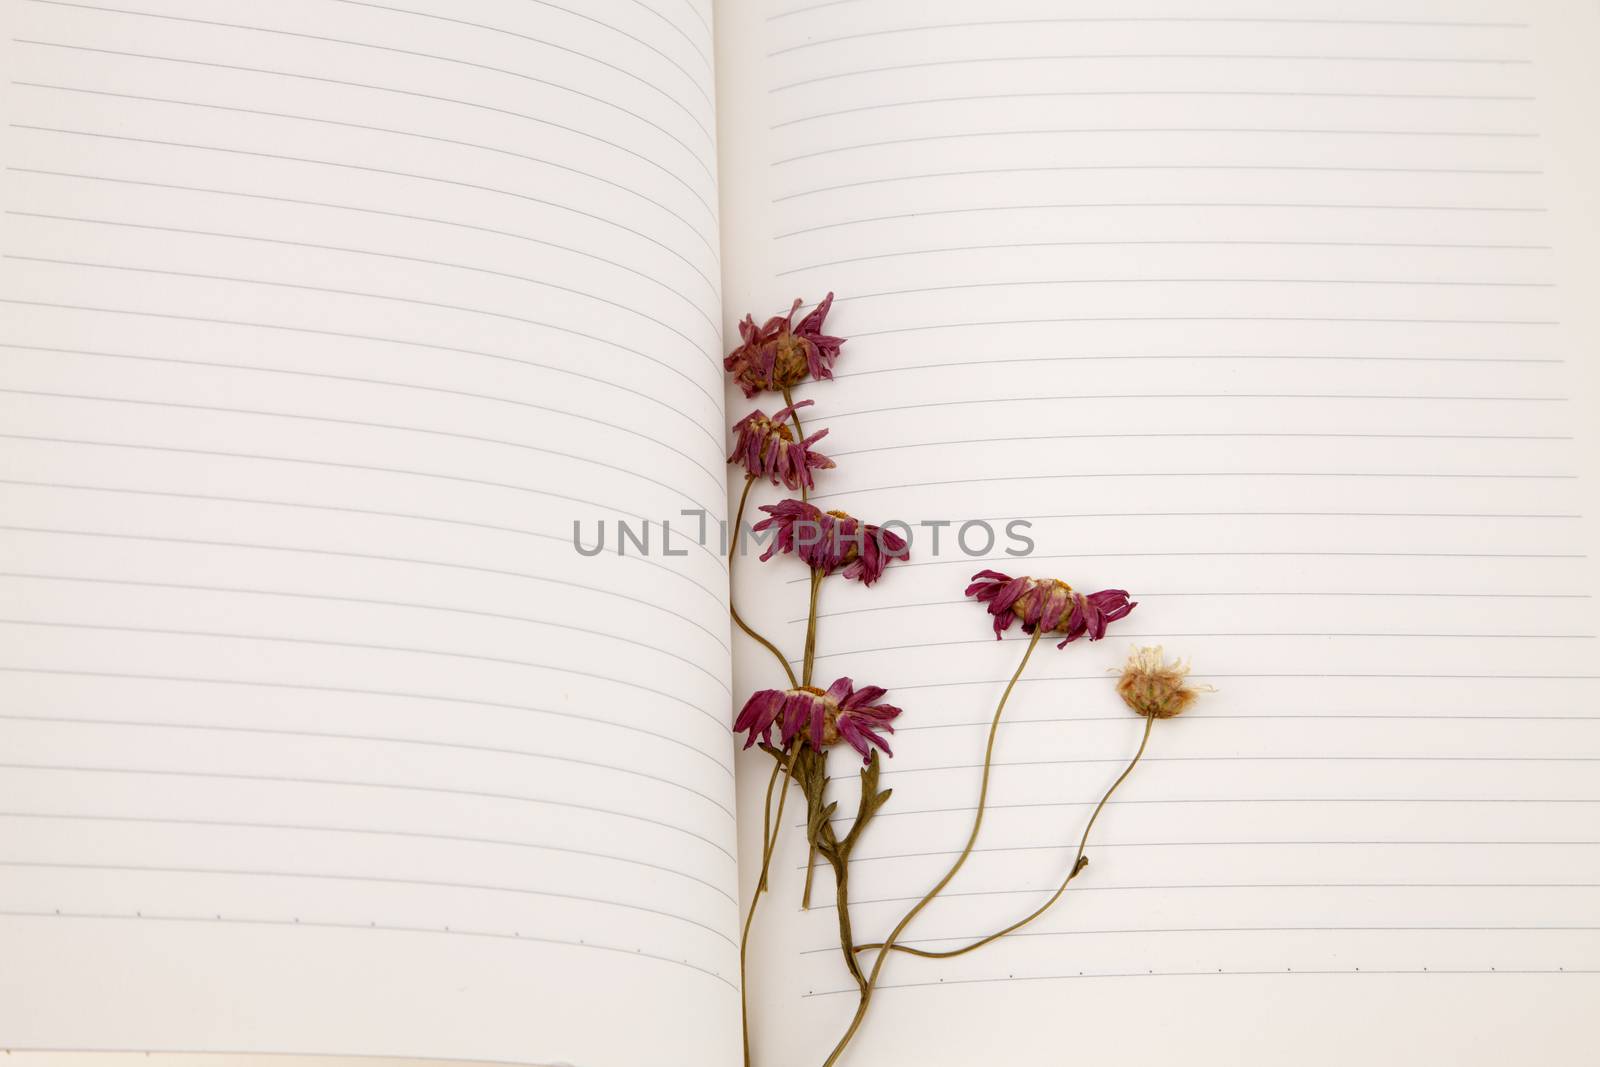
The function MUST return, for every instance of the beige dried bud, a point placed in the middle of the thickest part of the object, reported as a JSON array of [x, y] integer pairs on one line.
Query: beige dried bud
[[1155, 688]]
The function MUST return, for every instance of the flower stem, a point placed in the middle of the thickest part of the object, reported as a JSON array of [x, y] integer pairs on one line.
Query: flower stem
[[769, 842], [733, 549], [972, 839], [1078, 864], [799, 434], [811, 630]]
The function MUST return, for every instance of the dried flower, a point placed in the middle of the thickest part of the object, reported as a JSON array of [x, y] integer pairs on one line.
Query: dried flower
[[778, 354], [1155, 688], [1049, 605], [830, 541], [822, 717], [767, 448]]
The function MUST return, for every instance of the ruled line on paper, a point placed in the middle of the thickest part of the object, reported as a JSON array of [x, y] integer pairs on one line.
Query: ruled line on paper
[[679, 30], [1240, 930], [1385, 675], [252, 683], [316, 375], [359, 646], [194, 146], [374, 88], [1228, 434], [689, 79], [1218, 973], [402, 786], [1140, 205], [351, 208], [825, 905], [1331, 593], [1306, 843], [1100, 357], [1044, 477], [267, 30], [1119, 761], [371, 468], [1199, 168], [1209, 130], [1074, 20], [312, 924], [336, 554], [710, 356], [402, 341], [364, 879], [1206, 396], [1299, 94], [324, 376], [229, 824], [332, 598], [1165, 56], [346, 510], [1420, 283], [574, 13], [987, 640], [421, 742], [1172, 243], [480, 438], [424, 260]]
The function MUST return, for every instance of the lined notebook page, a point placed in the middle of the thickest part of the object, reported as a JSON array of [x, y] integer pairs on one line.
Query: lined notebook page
[[324, 322], [1257, 312]]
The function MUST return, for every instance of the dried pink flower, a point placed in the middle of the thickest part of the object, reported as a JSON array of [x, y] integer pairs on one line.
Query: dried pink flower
[[766, 448], [822, 717], [779, 355], [1049, 605], [831, 541]]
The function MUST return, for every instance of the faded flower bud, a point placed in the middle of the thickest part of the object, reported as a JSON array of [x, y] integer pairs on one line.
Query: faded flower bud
[[781, 353], [1155, 688]]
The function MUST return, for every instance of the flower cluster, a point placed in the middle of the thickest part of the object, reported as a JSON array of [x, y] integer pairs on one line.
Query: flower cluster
[[821, 717], [1048, 605], [798, 725], [766, 448], [831, 542], [779, 354]]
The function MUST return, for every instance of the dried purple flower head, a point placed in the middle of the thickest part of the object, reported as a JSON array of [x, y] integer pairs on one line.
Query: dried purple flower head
[[766, 448], [822, 717], [1155, 688], [1048, 605], [830, 541], [779, 354]]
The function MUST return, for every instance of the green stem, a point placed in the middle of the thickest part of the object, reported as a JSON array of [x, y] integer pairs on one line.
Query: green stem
[[972, 839], [811, 630], [769, 841], [846, 937], [733, 548], [799, 434], [1078, 864]]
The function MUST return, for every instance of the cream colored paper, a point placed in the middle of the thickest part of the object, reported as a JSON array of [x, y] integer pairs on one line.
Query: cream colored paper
[[1276, 317]]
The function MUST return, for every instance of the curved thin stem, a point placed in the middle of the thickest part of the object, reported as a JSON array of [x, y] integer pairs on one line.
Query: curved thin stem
[[733, 548], [799, 434], [811, 629], [972, 839], [769, 842], [1078, 864]]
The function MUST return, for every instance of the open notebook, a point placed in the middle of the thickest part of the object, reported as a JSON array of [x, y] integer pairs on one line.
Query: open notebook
[[324, 321]]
